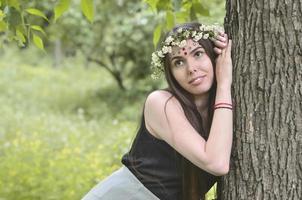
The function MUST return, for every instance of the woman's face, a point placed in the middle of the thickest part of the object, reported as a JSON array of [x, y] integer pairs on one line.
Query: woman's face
[[192, 68]]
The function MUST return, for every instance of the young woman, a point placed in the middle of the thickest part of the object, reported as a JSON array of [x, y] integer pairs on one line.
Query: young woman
[[185, 138]]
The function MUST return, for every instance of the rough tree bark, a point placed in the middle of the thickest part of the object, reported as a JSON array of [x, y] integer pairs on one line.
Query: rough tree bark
[[267, 57]]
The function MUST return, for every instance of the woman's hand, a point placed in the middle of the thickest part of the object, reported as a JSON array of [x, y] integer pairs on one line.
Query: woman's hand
[[220, 42], [224, 67]]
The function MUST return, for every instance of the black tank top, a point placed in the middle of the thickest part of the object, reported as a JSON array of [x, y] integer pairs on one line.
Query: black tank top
[[156, 165]]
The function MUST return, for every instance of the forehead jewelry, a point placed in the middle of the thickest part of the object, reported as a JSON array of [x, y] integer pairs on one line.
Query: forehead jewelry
[[184, 50]]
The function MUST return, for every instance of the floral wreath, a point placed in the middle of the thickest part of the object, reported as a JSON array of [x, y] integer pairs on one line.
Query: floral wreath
[[179, 38]]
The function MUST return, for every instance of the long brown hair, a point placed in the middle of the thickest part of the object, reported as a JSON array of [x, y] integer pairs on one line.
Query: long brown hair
[[195, 181]]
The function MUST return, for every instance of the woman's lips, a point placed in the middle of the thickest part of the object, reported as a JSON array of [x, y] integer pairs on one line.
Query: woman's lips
[[197, 80]]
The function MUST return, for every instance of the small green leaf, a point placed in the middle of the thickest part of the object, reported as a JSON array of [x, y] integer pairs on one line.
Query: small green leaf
[[20, 36], [36, 12], [170, 22], [61, 7], [38, 42], [156, 34], [37, 28], [87, 9]]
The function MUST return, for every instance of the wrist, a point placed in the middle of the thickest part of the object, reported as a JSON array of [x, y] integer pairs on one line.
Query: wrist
[[223, 94], [223, 88]]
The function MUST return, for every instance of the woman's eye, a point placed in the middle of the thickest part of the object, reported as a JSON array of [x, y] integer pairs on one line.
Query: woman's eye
[[198, 53], [178, 63]]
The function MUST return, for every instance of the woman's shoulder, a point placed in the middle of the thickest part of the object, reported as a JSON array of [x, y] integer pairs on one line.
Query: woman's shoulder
[[159, 94], [160, 106], [160, 99]]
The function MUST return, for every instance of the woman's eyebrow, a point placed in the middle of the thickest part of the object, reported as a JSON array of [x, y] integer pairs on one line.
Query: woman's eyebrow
[[175, 57], [197, 48]]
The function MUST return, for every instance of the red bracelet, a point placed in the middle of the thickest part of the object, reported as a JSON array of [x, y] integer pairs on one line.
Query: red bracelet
[[218, 107], [227, 104]]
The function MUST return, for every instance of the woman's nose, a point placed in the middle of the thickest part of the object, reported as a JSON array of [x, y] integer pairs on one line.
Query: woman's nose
[[192, 68]]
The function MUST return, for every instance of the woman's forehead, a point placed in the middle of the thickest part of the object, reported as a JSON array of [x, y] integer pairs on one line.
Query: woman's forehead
[[185, 49]]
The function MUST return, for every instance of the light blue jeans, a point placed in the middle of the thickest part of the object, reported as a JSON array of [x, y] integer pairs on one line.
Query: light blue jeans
[[121, 185]]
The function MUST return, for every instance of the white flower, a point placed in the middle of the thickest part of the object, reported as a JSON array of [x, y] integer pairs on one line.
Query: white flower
[[197, 37], [183, 43], [158, 64], [186, 33], [202, 27], [160, 54], [155, 57], [193, 33], [175, 43], [169, 39], [166, 49], [179, 30]]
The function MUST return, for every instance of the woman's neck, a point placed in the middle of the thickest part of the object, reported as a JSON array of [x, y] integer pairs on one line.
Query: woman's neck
[[201, 103]]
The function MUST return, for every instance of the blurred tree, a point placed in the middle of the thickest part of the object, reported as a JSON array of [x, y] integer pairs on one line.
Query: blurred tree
[[119, 39]]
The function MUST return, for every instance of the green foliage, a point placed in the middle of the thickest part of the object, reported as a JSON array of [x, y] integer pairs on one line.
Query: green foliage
[[170, 22], [180, 11], [18, 25], [156, 34], [36, 12], [38, 28], [38, 41], [87, 9], [61, 7]]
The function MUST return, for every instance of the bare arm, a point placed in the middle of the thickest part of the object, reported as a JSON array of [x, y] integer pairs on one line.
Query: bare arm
[[219, 142]]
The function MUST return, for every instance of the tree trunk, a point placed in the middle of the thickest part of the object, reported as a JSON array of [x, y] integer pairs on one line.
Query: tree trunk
[[267, 56], [116, 74]]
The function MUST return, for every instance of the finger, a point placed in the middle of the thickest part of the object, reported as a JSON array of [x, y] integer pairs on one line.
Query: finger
[[217, 50], [220, 44], [221, 38], [226, 37]]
